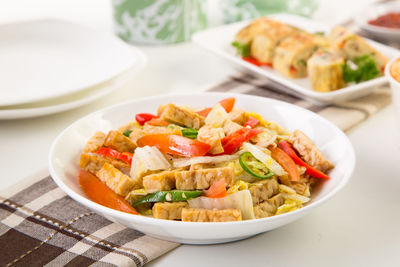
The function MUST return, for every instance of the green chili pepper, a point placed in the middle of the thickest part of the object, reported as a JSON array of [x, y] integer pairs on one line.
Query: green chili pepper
[[189, 133], [254, 167], [127, 133], [169, 196]]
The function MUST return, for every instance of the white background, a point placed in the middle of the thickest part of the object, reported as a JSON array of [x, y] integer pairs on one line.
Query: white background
[[358, 227]]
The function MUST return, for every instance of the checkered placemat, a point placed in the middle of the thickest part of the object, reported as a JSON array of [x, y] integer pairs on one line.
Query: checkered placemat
[[41, 226]]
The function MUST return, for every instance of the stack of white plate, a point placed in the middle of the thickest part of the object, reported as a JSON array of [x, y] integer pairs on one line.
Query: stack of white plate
[[49, 66]]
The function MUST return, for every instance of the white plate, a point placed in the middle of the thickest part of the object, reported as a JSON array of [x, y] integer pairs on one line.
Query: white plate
[[65, 153], [75, 100], [218, 40], [374, 11], [49, 58]]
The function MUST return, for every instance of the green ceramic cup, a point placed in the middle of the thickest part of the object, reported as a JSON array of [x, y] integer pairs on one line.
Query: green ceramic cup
[[158, 22], [237, 10]]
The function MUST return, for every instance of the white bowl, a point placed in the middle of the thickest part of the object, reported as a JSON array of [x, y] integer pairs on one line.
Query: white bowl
[[374, 11], [65, 152]]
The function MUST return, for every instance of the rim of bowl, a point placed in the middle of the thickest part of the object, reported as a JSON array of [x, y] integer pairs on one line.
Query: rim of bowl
[[362, 19], [387, 70], [143, 219]]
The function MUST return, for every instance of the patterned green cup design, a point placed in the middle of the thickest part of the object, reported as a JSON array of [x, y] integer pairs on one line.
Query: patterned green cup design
[[158, 21], [237, 10]]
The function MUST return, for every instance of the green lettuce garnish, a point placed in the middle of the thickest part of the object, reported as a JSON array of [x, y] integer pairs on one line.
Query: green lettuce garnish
[[242, 49], [360, 69]]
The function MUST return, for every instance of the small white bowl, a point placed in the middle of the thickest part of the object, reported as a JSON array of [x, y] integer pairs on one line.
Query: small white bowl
[[65, 153], [395, 86], [374, 11]]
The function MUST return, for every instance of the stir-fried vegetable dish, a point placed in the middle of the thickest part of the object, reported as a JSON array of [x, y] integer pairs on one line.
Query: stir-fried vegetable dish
[[216, 164]]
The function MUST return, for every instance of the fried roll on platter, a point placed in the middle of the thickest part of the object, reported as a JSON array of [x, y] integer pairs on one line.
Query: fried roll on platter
[[292, 54], [352, 46], [325, 69], [264, 44]]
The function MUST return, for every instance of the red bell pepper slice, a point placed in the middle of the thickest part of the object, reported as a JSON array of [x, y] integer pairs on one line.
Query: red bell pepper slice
[[235, 140], [157, 122], [109, 152], [142, 118], [174, 144], [287, 147], [286, 162], [254, 61], [226, 103], [204, 112], [252, 122], [101, 194], [216, 190]]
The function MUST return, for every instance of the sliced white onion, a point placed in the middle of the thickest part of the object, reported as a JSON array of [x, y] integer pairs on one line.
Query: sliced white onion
[[286, 189], [148, 158], [216, 117], [296, 197], [264, 158], [240, 200], [183, 162]]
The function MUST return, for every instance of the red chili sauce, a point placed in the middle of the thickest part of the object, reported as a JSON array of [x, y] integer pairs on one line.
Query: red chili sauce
[[389, 20]]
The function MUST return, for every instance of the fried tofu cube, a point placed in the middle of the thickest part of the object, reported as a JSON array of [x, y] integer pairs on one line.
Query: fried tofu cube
[[120, 183], [159, 181], [268, 208], [95, 142], [169, 210], [93, 162], [203, 179], [238, 115], [182, 116], [309, 152], [211, 136], [116, 140], [263, 190], [214, 215]]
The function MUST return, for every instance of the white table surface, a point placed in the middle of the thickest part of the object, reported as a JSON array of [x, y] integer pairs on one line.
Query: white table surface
[[358, 227]]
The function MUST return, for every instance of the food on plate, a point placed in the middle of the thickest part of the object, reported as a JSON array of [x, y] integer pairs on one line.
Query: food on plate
[[395, 70], [217, 164], [353, 46], [260, 38], [292, 53], [389, 20], [337, 60], [325, 69]]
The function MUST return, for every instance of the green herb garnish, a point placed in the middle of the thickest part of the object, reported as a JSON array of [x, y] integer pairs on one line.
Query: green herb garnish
[[127, 133], [360, 69], [242, 49]]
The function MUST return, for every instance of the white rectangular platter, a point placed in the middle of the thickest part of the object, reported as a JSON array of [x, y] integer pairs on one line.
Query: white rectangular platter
[[219, 40]]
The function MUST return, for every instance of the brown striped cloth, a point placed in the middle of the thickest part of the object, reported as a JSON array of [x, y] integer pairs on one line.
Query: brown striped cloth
[[41, 226]]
